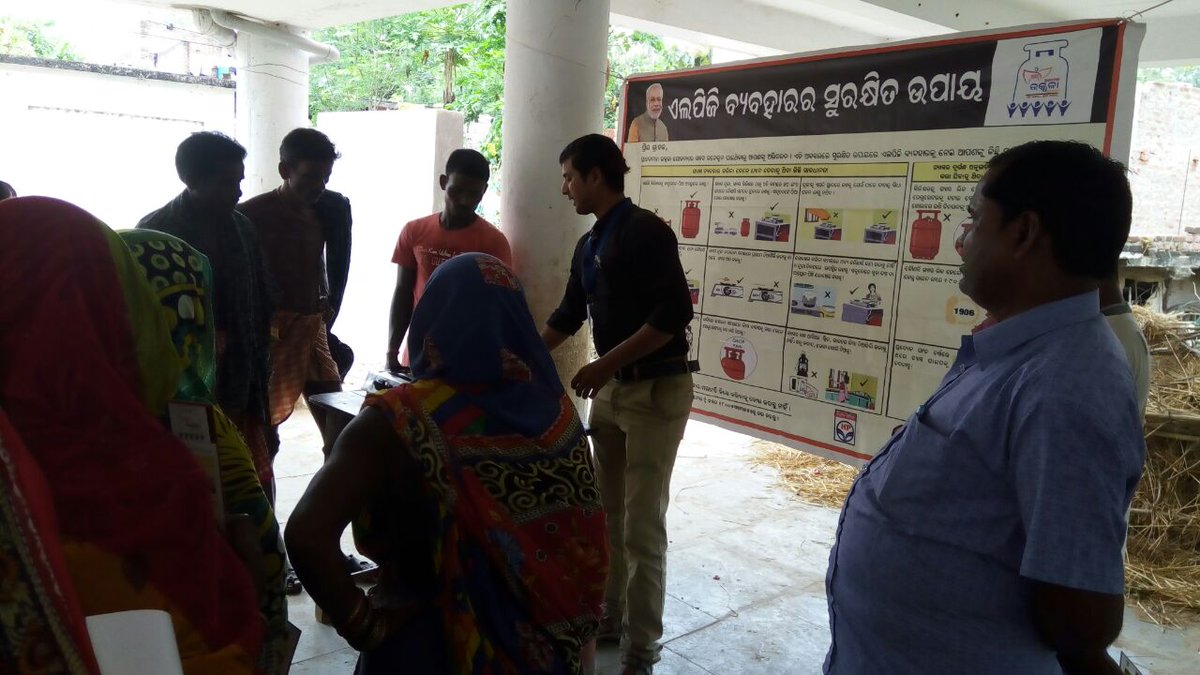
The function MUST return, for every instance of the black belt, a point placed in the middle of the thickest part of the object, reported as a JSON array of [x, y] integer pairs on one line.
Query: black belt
[[648, 371]]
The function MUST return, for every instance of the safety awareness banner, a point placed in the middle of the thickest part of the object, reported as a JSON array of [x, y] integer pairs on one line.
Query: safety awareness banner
[[820, 201]]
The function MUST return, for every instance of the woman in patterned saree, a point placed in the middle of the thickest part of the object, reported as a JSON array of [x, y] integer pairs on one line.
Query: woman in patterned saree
[[180, 277], [473, 489], [135, 518]]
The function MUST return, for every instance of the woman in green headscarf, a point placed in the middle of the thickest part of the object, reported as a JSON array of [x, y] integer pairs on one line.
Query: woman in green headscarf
[[180, 277]]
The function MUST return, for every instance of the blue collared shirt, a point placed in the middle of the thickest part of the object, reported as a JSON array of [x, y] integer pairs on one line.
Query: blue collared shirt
[[1019, 468]]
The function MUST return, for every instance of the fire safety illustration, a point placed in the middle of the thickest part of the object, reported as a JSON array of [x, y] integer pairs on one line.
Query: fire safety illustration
[[772, 227], [764, 293], [798, 383], [852, 389], [738, 358], [879, 233], [819, 302], [866, 310]]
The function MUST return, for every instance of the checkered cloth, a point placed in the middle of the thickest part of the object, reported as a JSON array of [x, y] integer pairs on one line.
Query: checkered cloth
[[300, 355]]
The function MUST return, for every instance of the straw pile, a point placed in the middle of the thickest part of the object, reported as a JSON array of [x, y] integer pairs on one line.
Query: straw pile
[[813, 479], [1162, 572]]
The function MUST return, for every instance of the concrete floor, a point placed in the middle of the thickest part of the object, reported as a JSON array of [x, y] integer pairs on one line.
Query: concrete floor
[[745, 576]]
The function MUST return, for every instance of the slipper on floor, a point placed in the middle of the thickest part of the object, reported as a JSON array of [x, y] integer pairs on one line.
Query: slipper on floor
[[291, 583], [361, 569]]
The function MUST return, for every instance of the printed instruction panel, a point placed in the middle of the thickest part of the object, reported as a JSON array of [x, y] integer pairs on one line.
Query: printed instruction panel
[[824, 266]]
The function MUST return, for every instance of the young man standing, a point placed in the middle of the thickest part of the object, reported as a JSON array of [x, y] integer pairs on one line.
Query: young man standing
[[211, 166], [626, 277], [293, 241], [986, 535], [428, 242]]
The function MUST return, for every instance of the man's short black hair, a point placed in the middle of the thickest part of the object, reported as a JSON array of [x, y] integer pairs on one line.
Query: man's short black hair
[[306, 145], [597, 151], [1081, 197], [201, 155], [6, 190], [469, 162]]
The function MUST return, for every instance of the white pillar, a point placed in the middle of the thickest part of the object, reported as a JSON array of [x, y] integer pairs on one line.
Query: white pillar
[[272, 99], [554, 79]]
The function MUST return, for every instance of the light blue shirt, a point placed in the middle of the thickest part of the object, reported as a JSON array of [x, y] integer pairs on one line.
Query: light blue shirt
[[1019, 468]]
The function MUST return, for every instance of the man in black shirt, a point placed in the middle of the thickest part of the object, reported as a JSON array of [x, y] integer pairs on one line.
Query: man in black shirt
[[627, 279]]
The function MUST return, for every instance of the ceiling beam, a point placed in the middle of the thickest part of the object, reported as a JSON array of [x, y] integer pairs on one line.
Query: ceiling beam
[[747, 22], [971, 16]]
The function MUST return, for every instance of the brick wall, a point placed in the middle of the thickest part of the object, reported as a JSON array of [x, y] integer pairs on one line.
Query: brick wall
[[1164, 159]]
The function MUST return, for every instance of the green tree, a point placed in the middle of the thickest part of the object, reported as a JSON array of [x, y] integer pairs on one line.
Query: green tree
[[454, 57], [1187, 74], [27, 38], [638, 52]]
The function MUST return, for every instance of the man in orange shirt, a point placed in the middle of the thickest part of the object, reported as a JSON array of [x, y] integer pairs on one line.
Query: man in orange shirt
[[428, 242]]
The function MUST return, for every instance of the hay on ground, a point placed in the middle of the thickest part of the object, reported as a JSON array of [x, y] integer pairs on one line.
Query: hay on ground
[[813, 479]]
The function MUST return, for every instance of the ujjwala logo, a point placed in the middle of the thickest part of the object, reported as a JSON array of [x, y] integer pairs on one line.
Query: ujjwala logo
[[1041, 81]]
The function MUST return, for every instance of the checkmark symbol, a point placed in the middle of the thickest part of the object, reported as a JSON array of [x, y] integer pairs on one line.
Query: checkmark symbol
[[693, 196]]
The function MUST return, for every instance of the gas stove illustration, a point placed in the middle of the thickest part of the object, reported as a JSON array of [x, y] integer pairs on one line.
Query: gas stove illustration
[[764, 294], [772, 228], [879, 233], [728, 289], [828, 231]]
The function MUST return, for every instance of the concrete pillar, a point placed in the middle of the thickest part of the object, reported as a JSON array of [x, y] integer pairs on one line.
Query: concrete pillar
[[554, 79], [272, 99]]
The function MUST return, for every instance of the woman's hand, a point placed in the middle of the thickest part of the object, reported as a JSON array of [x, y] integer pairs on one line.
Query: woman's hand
[[243, 537]]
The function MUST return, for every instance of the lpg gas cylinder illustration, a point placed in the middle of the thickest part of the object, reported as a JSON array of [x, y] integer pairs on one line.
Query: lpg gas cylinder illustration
[[690, 226], [745, 227], [925, 240], [738, 358], [732, 362]]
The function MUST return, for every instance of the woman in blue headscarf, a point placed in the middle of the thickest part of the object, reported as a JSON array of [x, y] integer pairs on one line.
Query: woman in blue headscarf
[[481, 465]]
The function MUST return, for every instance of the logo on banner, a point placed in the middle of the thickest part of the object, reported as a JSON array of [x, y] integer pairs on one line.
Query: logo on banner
[[1041, 84], [1051, 79], [845, 427]]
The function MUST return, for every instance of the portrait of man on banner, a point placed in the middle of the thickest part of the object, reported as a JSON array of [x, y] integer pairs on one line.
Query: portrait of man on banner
[[648, 126]]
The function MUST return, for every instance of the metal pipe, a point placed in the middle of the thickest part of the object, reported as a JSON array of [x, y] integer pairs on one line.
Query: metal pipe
[[209, 28], [319, 51]]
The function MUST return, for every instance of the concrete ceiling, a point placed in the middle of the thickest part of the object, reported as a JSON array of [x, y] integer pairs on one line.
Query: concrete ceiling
[[775, 26]]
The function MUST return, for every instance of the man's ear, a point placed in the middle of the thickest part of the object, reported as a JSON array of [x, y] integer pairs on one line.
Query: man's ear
[[442, 180], [1026, 231], [285, 171]]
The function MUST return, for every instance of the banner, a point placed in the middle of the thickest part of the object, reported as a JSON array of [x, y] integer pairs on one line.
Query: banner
[[820, 200]]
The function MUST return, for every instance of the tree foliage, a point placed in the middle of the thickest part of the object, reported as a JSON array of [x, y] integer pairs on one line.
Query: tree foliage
[[29, 38], [403, 60], [1186, 74]]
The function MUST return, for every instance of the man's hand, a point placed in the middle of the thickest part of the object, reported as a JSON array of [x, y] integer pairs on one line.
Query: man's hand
[[591, 378], [393, 363]]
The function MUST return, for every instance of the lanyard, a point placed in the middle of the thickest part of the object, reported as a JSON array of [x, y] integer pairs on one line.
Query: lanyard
[[595, 246]]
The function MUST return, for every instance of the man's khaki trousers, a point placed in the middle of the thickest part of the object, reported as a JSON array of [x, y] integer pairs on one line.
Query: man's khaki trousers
[[637, 427]]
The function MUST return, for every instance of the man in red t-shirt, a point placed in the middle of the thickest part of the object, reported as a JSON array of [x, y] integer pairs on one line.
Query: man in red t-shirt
[[428, 242]]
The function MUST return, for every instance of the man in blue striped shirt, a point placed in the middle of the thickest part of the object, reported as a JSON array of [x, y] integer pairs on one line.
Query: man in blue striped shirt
[[986, 535]]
